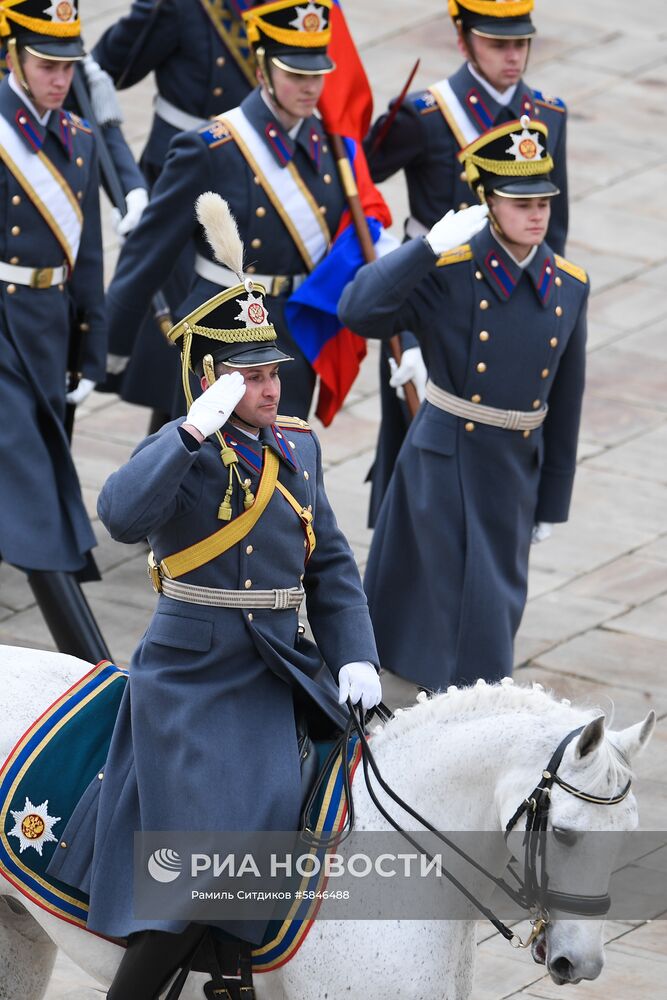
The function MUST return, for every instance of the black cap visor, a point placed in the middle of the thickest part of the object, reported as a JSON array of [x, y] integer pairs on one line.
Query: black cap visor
[[253, 357], [304, 63], [499, 27], [65, 50], [525, 187]]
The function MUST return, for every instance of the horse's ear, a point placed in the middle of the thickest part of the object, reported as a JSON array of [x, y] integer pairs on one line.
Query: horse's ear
[[591, 738], [631, 741]]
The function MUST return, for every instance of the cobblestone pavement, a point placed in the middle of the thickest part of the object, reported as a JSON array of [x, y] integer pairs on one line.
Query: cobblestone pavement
[[596, 625]]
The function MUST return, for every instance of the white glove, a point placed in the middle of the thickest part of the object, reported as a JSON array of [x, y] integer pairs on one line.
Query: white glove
[[411, 369], [541, 531], [83, 389], [136, 201], [456, 228], [359, 682], [116, 364], [103, 99], [214, 407]]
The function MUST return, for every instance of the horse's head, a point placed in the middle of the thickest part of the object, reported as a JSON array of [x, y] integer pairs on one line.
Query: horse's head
[[590, 793]]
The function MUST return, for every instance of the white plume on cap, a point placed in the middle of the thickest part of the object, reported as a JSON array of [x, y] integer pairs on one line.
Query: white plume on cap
[[221, 231]]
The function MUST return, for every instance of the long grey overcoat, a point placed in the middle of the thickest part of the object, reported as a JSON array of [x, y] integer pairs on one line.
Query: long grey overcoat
[[447, 569], [205, 736], [43, 522]]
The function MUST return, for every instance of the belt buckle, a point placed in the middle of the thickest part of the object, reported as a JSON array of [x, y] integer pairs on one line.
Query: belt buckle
[[154, 574], [281, 283], [42, 277]]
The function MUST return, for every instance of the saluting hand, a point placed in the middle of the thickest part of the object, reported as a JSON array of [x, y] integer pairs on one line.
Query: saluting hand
[[456, 228], [214, 407]]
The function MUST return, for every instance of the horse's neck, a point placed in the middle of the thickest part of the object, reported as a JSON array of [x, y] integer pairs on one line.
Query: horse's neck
[[448, 772]]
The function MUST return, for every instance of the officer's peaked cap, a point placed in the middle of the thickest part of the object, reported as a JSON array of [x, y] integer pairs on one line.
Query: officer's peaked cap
[[494, 18], [511, 160], [48, 28], [293, 36]]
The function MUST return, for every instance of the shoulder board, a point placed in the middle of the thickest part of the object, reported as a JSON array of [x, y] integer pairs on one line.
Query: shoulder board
[[215, 133], [549, 102], [455, 256], [294, 423], [424, 102], [570, 268], [79, 123]]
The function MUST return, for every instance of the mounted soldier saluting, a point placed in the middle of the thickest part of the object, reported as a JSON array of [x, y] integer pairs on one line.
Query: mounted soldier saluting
[[51, 313]]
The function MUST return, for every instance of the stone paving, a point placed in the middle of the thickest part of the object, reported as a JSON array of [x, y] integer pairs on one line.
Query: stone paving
[[595, 627]]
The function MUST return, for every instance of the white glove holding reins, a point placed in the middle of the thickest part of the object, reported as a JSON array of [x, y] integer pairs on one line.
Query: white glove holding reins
[[541, 531], [456, 228], [411, 369], [359, 682], [214, 407], [135, 201]]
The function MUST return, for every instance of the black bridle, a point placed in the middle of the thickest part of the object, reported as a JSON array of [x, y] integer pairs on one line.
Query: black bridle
[[532, 893]]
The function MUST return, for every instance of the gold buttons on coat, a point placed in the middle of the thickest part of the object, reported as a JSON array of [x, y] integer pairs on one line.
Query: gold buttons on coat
[[547, 269], [484, 304], [306, 474], [63, 843], [256, 180], [101, 775], [545, 373], [479, 275], [220, 61], [249, 549], [272, 133], [469, 426], [84, 327], [256, 243], [323, 209], [553, 342], [291, 444], [484, 335], [473, 99], [13, 260], [462, 205], [22, 119], [526, 434], [536, 404], [16, 230], [79, 195], [494, 262], [16, 199], [481, 367], [11, 289], [558, 280], [79, 161], [305, 543], [559, 310], [250, 616], [279, 435], [217, 91], [260, 212], [462, 176], [476, 398], [248, 584], [327, 178], [250, 269]]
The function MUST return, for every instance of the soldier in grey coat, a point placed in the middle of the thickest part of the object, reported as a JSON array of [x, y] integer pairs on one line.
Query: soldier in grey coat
[[491, 454], [206, 735]]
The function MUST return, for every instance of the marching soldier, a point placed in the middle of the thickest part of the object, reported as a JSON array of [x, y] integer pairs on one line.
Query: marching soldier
[[51, 313], [271, 159], [203, 66], [238, 538], [423, 139], [491, 454]]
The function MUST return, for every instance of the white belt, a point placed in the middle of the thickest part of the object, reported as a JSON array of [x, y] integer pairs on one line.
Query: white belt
[[275, 284], [272, 600], [510, 420], [172, 115], [415, 228], [34, 277]]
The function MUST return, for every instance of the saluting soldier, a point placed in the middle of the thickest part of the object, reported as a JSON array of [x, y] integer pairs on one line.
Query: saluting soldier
[[271, 159], [491, 453], [203, 66], [429, 129], [238, 538], [51, 313]]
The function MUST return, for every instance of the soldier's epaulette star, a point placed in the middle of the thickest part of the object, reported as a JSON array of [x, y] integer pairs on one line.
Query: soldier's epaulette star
[[425, 102], [79, 123], [455, 256], [293, 423], [570, 268], [549, 102], [215, 133]]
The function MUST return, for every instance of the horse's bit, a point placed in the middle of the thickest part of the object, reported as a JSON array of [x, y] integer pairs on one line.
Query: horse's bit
[[533, 893]]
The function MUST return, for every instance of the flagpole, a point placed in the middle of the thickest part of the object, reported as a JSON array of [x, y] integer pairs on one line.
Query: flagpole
[[367, 247]]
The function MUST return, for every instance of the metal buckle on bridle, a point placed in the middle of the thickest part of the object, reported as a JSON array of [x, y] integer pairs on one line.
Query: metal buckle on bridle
[[537, 926]]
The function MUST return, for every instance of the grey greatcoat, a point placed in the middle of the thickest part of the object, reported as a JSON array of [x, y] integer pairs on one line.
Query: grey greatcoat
[[447, 569], [43, 522], [205, 736]]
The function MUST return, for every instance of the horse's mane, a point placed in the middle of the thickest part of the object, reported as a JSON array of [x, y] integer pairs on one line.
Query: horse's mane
[[482, 700]]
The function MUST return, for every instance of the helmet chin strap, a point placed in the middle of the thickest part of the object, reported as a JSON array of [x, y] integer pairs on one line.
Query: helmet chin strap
[[481, 194], [17, 68], [264, 65]]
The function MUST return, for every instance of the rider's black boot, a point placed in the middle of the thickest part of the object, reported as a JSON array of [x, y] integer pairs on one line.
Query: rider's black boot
[[151, 959], [68, 616]]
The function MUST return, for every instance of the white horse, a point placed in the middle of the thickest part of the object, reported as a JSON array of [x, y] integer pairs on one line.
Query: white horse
[[464, 759]]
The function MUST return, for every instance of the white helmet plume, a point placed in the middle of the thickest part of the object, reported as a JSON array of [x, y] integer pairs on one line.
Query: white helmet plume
[[221, 231]]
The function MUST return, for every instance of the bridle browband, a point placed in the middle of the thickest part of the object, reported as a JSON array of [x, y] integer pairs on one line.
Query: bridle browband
[[533, 893]]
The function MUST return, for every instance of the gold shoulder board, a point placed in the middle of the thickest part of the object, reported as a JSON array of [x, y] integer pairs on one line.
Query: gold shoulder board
[[573, 269], [455, 256], [295, 423]]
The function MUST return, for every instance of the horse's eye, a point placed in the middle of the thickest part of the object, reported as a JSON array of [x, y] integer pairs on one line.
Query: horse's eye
[[567, 837]]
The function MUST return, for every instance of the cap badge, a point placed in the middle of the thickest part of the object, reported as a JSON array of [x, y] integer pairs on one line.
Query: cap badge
[[309, 18], [252, 311], [525, 146], [62, 11]]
